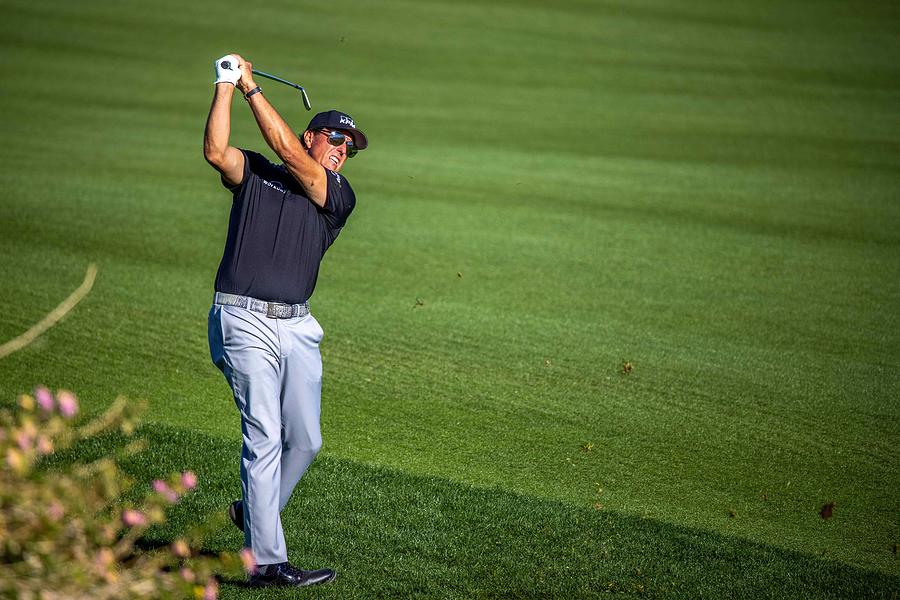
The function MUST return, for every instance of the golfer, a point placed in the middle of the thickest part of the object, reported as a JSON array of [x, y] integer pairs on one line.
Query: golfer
[[261, 333]]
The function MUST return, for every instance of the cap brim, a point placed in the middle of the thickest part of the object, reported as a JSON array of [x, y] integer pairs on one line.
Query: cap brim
[[359, 139]]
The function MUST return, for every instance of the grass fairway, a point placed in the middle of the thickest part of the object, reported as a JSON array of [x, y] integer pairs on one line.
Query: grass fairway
[[707, 191]]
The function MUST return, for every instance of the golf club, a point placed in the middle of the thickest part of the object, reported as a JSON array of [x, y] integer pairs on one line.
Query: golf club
[[286, 82]]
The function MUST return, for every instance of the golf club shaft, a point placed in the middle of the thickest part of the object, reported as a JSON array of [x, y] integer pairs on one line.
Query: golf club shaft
[[278, 79], [286, 82]]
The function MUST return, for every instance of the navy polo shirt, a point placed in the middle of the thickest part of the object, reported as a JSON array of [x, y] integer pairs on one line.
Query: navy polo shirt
[[277, 235]]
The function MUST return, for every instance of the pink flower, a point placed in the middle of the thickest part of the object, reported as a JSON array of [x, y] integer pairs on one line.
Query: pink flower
[[44, 398], [68, 404], [187, 574], [162, 488], [44, 445], [24, 440], [211, 591], [104, 558], [189, 480], [180, 549], [249, 560], [55, 510], [133, 518]]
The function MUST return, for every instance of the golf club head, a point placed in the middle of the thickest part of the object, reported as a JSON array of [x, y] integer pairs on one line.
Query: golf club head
[[305, 99]]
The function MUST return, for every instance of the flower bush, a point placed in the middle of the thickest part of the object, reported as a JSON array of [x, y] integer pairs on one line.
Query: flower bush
[[69, 533]]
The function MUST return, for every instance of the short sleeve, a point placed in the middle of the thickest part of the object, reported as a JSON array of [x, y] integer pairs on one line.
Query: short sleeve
[[255, 164], [340, 200]]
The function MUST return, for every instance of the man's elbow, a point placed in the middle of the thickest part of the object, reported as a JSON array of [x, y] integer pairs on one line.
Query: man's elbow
[[213, 156]]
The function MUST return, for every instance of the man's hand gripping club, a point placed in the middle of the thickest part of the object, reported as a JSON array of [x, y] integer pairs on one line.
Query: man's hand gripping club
[[228, 70]]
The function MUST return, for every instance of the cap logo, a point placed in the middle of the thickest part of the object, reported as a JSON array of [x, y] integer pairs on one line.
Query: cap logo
[[345, 120]]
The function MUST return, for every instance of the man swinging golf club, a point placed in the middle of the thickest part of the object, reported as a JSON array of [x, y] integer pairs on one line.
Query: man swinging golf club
[[261, 333]]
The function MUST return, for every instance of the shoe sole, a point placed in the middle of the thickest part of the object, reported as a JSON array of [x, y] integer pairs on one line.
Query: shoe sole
[[266, 584]]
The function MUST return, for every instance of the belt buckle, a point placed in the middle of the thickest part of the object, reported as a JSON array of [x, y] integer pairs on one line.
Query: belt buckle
[[279, 310]]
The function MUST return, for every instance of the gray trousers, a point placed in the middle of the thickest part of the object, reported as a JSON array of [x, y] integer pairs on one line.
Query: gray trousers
[[274, 369]]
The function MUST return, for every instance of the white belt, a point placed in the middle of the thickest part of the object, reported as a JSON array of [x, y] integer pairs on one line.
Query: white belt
[[273, 310]]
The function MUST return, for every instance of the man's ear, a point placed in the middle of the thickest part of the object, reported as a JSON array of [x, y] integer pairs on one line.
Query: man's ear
[[307, 138]]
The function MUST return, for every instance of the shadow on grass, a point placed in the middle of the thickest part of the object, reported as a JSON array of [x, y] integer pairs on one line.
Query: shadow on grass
[[392, 535]]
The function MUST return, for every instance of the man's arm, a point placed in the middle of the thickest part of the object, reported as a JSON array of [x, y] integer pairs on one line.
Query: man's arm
[[227, 160], [283, 141]]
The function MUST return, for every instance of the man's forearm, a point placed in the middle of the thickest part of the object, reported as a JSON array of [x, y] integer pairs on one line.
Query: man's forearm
[[218, 124], [285, 143], [277, 133], [226, 160]]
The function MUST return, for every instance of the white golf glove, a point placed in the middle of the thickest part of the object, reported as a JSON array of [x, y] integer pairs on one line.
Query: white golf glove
[[227, 70]]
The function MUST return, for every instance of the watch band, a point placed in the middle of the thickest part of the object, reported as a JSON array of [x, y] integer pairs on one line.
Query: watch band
[[255, 90]]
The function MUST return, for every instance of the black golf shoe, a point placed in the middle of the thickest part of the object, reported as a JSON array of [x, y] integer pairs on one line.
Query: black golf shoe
[[286, 574], [236, 514]]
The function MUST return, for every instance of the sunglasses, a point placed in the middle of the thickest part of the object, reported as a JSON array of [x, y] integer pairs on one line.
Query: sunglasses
[[336, 138]]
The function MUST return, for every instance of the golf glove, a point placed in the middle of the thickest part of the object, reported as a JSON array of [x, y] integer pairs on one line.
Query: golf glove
[[227, 70]]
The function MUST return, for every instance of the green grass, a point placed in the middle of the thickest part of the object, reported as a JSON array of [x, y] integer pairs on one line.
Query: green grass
[[707, 190]]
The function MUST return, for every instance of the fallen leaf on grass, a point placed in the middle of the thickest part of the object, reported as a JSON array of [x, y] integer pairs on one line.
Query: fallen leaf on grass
[[827, 510], [627, 368]]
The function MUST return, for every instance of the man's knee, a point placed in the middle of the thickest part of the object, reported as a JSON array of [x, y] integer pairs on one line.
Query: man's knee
[[262, 445], [307, 446], [314, 448]]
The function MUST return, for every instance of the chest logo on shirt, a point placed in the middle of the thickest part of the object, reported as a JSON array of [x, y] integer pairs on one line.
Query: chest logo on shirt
[[275, 185]]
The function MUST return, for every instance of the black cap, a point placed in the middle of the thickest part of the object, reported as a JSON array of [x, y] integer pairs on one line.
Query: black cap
[[335, 119]]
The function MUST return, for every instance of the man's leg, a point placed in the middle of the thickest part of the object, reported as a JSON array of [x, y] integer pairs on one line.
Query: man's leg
[[246, 347], [301, 393]]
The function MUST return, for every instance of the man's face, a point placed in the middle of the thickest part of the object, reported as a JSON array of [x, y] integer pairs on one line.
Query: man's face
[[330, 157]]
